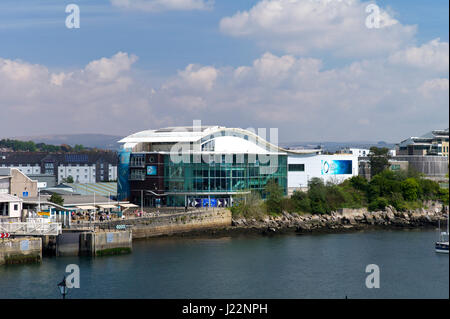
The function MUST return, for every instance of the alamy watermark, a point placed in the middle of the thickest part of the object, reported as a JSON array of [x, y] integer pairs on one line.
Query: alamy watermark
[[373, 279], [259, 150], [73, 19], [73, 278], [374, 18]]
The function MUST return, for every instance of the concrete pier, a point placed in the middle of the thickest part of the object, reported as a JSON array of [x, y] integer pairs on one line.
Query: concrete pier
[[173, 224], [20, 250], [103, 243]]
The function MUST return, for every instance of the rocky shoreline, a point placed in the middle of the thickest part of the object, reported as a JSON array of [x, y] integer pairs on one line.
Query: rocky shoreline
[[345, 220]]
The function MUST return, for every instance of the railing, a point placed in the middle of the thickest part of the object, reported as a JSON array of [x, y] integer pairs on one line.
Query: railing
[[33, 226]]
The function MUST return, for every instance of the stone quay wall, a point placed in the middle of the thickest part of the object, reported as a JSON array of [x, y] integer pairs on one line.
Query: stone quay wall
[[172, 223], [20, 250]]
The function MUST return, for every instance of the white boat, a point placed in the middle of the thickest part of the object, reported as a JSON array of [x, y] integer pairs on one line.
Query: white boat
[[441, 246]]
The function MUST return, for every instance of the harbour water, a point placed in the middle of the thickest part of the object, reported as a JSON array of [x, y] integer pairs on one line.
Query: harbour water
[[289, 266]]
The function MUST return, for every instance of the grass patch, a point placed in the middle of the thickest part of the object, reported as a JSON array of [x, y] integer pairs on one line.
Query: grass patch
[[22, 259]]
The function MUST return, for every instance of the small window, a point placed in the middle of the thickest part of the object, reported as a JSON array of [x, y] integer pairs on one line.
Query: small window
[[16, 207], [296, 167]]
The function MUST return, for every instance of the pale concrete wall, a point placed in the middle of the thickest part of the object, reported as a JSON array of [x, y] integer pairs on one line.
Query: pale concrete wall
[[173, 223], [21, 183], [182, 223], [105, 243], [20, 250]]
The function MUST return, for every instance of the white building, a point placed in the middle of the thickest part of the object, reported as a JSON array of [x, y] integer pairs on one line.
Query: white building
[[355, 151], [330, 168], [10, 206], [82, 167]]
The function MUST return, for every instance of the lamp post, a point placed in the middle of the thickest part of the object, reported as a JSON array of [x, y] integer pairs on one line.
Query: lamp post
[[63, 288]]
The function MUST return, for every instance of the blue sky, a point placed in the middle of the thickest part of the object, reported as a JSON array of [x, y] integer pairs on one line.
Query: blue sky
[[167, 42]]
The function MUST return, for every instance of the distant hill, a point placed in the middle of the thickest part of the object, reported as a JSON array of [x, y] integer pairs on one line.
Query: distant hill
[[335, 146], [102, 141], [109, 142]]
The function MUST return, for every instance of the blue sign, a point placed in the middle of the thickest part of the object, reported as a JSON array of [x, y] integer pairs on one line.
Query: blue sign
[[336, 167], [151, 170], [213, 202], [109, 237], [24, 194], [205, 202], [24, 245]]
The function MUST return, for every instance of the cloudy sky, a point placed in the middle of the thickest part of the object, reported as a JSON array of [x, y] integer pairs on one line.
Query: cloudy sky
[[311, 68]]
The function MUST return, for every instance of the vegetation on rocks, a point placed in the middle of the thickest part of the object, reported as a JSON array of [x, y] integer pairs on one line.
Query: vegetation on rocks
[[403, 190]]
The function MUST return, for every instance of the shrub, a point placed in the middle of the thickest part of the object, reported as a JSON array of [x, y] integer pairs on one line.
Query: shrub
[[317, 196], [248, 206], [300, 202], [410, 189], [358, 182], [398, 202], [57, 199], [378, 204], [428, 188], [274, 197], [335, 198], [443, 195]]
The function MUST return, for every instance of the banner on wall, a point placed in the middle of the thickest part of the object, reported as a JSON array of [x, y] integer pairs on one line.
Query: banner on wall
[[151, 170], [336, 167], [123, 185]]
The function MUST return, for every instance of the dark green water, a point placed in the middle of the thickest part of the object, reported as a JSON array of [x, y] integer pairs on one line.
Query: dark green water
[[308, 266]]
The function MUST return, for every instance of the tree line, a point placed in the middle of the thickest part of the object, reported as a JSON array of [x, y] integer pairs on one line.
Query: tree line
[[30, 146], [405, 189]]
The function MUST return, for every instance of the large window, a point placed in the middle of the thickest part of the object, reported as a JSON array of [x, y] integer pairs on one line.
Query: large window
[[137, 174], [243, 174], [137, 160], [296, 167]]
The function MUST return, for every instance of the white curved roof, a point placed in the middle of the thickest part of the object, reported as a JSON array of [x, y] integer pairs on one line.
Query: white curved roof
[[227, 139], [171, 134]]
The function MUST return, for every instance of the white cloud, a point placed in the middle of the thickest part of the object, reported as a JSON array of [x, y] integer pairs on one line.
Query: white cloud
[[307, 101], [90, 99], [305, 26], [433, 87], [163, 5], [433, 56], [301, 97], [199, 77], [108, 69]]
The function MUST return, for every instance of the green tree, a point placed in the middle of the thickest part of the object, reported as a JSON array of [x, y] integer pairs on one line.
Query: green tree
[[300, 202], [78, 148], [410, 189], [57, 199], [317, 196], [274, 197], [69, 179], [378, 159], [359, 182]]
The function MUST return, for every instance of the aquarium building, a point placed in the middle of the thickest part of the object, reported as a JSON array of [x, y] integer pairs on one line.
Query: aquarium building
[[213, 165]]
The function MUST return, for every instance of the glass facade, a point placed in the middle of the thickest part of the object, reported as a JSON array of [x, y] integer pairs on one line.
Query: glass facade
[[240, 175]]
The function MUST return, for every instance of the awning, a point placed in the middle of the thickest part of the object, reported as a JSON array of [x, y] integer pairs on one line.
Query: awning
[[86, 207], [107, 206], [128, 205]]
